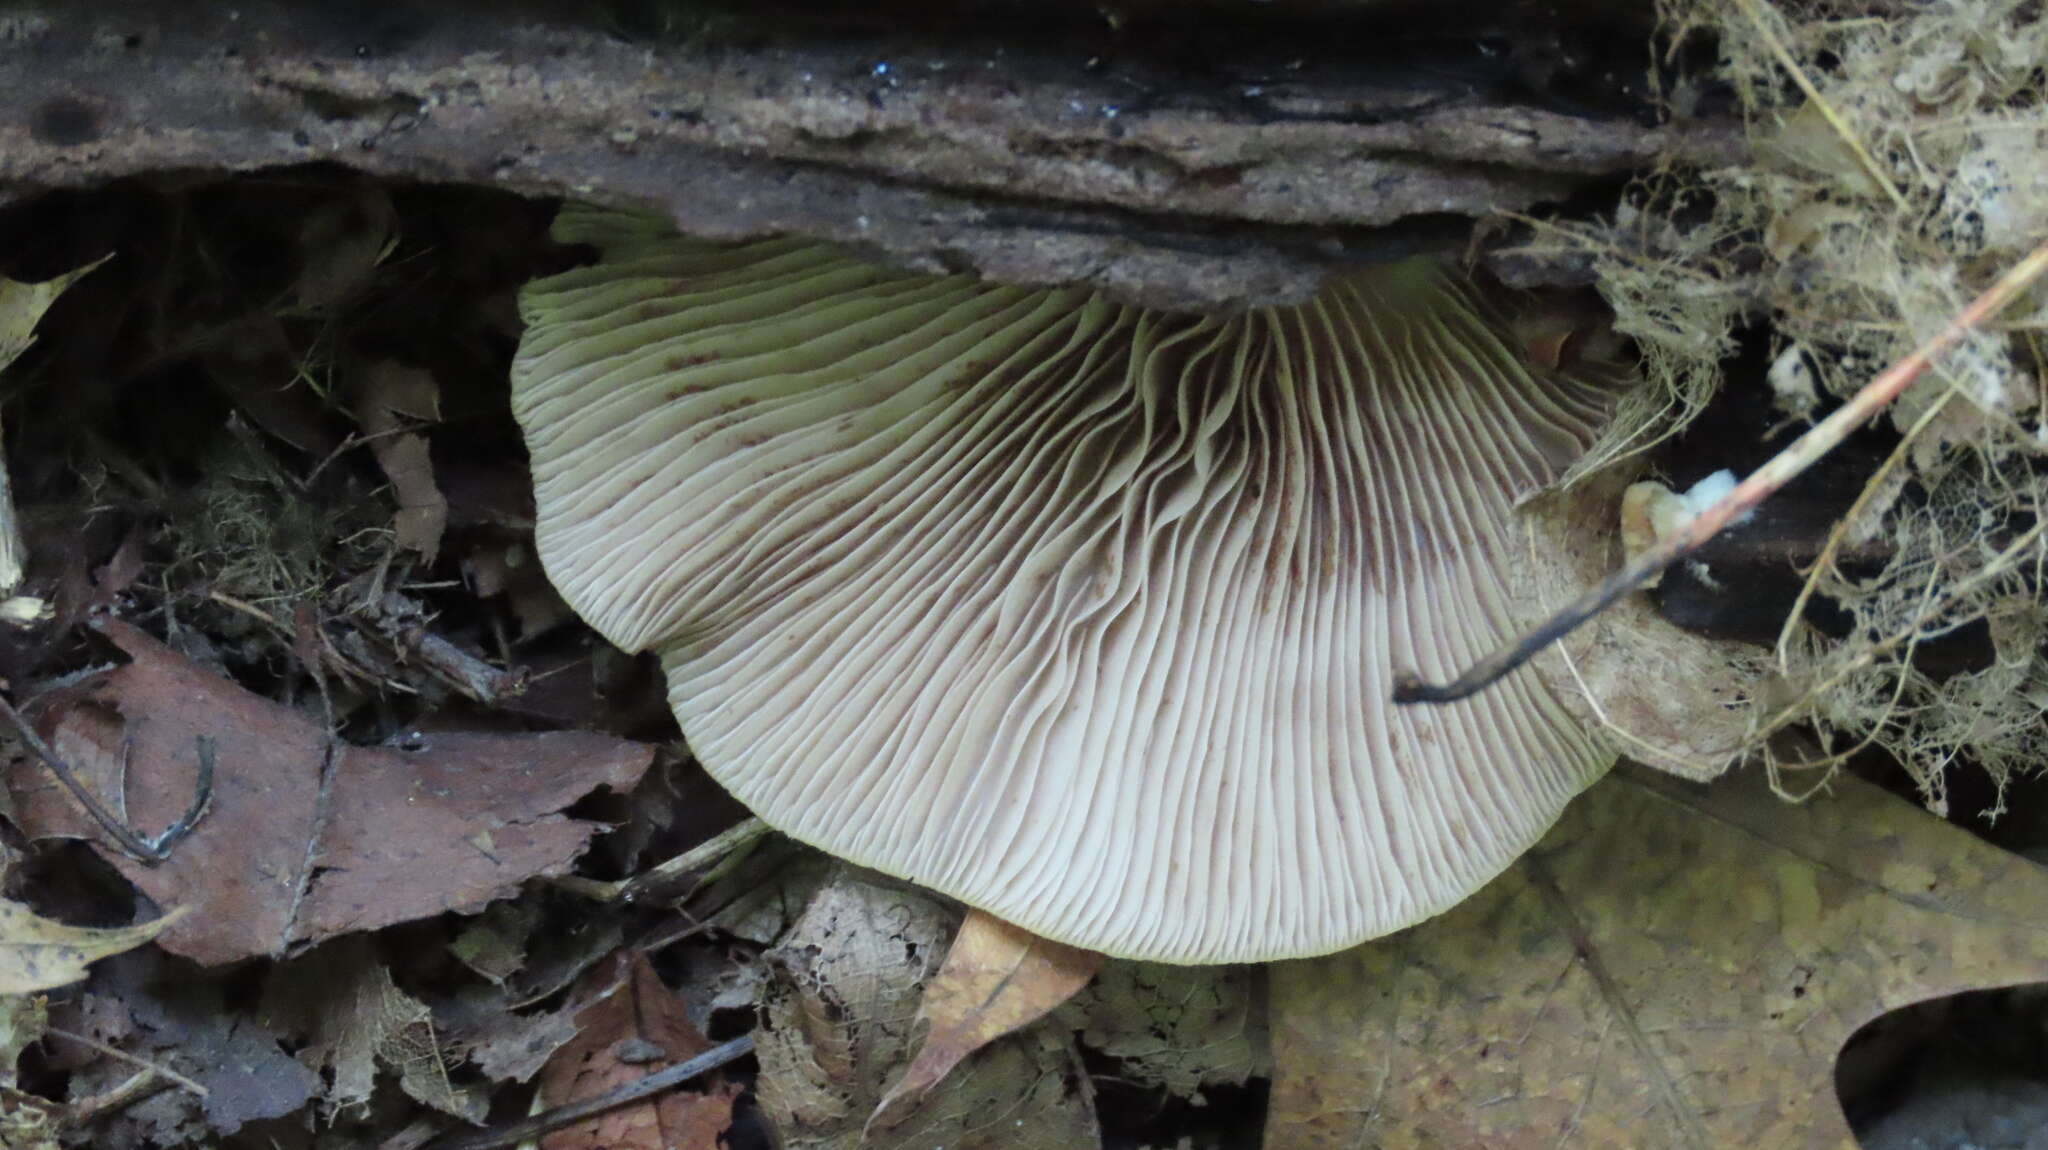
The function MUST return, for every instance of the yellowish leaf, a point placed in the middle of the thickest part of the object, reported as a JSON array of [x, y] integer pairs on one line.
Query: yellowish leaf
[[997, 978], [23, 1020], [22, 307], [38, 954], [1673, 966], [27, 1122]]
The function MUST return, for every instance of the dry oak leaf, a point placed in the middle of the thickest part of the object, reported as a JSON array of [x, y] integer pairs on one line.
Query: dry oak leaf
[[390, 398], [308, 838], [633, 1026], [1673, 966], [346, 1018], [997, 978], [838, 1014], [38, 954]]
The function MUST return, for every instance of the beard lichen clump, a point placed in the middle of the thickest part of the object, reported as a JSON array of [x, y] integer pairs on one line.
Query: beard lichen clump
[[1897, 169]]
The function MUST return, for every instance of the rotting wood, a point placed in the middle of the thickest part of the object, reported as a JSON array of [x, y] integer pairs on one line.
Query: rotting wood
[[1199, 176]]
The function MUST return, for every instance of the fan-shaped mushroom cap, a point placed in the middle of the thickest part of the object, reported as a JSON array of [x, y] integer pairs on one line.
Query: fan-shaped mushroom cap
[[1084, 614]]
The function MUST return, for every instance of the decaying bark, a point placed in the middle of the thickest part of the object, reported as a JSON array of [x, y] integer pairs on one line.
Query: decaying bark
[[1236, 168]]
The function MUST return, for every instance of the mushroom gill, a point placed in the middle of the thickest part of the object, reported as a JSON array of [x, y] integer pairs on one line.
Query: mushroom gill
[[1084, 614]]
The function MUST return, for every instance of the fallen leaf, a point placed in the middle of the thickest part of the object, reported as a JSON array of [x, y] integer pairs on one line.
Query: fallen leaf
[[37, 954], [997, 978], [123, 567], [1674, 965], [256, 364], [389, 396], [839, 1005], [27, 1122], [349, 1019], [91, 1015], [1177, 1027], [633, 1026], [494, 943], [182, 1018], [500, 1041], [22, 307], [23, 1019], [341, 242], [307, 838]]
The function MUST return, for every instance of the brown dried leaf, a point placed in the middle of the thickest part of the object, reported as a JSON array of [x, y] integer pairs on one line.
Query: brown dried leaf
[[123, 568], [634, 1026], [342, 1004], [1674, 965], [997, 979], [387, 395], [306, 838], [837, 1019], [1651, 690], [341, 242], [498, 1040], [254, 362]]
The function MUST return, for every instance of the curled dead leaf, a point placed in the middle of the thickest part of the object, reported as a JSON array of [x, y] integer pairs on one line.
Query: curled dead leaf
[[997, 978], [390, 397]]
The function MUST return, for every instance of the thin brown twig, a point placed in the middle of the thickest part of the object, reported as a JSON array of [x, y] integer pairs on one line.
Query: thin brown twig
[[144, 1083], [170, 1075], [1760, 485], [249, 609], [560, 1116], [1841, 128], [148, 852], [1824, 564], [128, 840]]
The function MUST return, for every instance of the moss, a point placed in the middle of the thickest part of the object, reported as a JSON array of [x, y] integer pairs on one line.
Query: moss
[[1896, 170]]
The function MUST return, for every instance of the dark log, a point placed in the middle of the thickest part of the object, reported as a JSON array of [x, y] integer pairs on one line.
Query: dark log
[[1219, 158]]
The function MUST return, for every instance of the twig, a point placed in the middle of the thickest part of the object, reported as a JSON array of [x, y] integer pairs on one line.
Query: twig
[[144, 1083], [323, 813], [410, 640], [1854, 143], [169, 1075], [148, 852], [712, 850], [249, 609], [560, 1116], [1824, 563], [202, 798], [1761, 484]]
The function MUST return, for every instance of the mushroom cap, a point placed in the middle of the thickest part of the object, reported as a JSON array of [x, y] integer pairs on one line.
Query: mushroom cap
[[1084, 614]]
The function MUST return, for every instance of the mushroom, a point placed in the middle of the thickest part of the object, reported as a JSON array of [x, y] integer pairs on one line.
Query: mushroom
[[1084, 614]]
